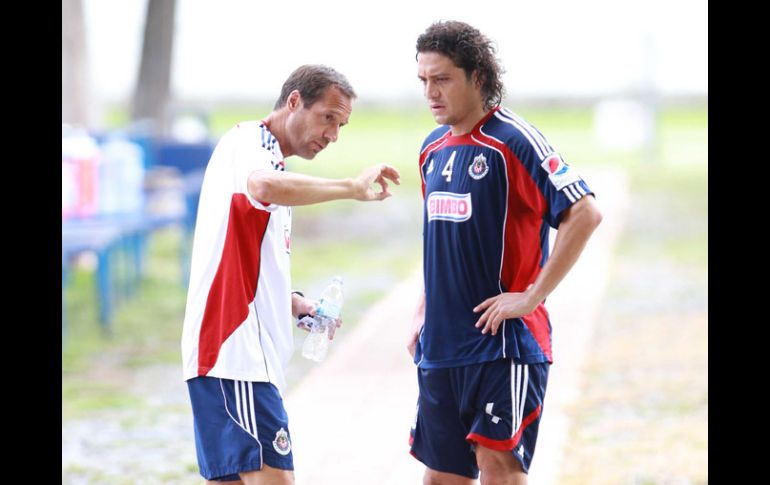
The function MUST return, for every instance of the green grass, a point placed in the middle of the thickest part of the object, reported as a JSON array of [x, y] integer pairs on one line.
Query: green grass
[[146, 330], [82, 395], [143, 327]]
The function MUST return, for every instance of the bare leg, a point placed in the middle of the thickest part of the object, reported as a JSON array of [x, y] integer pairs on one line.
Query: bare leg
[[433, 477], [268, 476], [499, 467]]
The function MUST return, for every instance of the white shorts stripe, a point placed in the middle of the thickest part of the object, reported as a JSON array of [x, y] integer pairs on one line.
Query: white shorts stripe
[[237, 400], [581, 189], [237, 388], [575, 192], [513, 392], [523, 401], [517, 420], [251, 409], [515, 398], [245, 406], [568, 194]]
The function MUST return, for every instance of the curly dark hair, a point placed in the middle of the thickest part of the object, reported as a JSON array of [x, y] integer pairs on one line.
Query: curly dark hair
[[311, 80], [471, 51]]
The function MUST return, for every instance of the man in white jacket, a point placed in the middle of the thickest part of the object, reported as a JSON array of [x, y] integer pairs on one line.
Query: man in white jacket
[[237, 335]]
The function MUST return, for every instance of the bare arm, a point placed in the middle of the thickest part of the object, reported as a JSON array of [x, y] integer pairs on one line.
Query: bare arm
[[576, 227], [290, 189]]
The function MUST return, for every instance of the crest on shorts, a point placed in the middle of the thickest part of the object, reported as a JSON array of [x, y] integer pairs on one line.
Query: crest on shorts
[[281, 442], [287, 238], [479, 167]]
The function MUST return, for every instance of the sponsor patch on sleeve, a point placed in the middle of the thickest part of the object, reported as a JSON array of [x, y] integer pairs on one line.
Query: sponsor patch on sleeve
[[559, 173]]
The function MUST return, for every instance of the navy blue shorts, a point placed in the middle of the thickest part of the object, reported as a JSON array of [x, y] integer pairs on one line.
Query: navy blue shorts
[[494, 404], [239, 426]]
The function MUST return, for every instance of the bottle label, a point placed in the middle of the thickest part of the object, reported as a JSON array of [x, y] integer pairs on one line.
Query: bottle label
[[328, 309]]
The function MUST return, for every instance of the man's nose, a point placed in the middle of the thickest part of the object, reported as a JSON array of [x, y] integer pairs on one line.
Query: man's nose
[[332, 133], [430, 90]]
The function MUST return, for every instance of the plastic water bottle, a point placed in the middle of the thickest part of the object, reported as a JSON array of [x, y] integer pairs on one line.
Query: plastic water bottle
[[80, 158], [122, 176], [324, 324]]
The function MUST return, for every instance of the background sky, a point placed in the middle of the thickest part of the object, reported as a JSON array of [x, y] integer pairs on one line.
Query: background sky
[[245, 49]]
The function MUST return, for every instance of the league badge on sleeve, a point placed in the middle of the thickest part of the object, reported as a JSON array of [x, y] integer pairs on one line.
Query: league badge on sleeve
[[479, 168], [559, 173]]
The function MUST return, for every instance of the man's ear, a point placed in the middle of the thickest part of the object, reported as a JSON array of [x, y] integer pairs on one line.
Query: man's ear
[[477, 79], [294, 101]]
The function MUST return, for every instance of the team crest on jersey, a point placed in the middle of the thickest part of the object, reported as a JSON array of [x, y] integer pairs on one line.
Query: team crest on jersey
[[287, 238], [281, 442], [479, 167], [559, 173], [448, 206]]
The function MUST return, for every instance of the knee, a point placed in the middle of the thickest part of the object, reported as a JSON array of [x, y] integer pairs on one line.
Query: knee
[[433, 477], [498, 466], [268, 474], [430, 478]]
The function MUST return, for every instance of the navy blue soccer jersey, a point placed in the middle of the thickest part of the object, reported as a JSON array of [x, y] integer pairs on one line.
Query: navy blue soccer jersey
[[491, 196]]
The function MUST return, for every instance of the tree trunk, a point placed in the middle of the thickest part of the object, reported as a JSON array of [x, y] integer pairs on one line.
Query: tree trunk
[[74, 65], [153, 88]]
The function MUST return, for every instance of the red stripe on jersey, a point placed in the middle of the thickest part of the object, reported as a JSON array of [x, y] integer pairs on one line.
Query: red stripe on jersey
[[526, 206], [531, 417], [537, 323], [235, 282], [522, 249]]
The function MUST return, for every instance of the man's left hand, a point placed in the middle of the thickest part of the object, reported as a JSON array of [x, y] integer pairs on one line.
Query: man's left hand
[[302, 306], [503, 306]]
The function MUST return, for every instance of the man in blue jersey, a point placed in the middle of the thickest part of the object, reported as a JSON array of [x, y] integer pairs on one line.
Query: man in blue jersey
[[493, 186]]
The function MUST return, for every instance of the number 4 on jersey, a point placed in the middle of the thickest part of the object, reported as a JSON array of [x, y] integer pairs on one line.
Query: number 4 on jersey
[[447, 172]]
